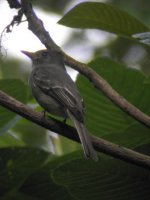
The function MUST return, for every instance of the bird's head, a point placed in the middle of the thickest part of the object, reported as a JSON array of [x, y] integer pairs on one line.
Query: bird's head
[[44, 56]]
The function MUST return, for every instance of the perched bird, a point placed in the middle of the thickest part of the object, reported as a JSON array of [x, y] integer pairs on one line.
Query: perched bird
[[55, 91]]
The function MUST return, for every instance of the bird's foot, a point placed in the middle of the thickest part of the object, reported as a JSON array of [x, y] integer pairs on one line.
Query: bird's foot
[[43, 114]]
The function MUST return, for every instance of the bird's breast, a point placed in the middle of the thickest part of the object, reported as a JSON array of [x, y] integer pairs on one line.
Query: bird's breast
[[47, 102]]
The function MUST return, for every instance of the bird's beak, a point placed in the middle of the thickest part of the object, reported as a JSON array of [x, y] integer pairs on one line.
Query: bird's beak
[[29, 54]]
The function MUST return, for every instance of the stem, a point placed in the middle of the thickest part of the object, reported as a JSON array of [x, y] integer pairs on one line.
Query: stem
[[54, 125]]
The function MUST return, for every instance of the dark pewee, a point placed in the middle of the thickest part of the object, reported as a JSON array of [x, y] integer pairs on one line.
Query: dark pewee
[[55, 91]]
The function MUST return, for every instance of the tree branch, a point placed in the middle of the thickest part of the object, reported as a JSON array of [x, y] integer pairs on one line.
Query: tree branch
[[36, 26], [101, 84], [54, 125]]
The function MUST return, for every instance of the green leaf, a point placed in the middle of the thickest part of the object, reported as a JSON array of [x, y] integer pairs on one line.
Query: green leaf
[[17, 164], [31, 174], [95, 15], [105, 180], [105, 119], [54, 6], [25, 174], [10, 124], [19, 91], [10, 139], [33, 135], [41, 186], [133, 136]]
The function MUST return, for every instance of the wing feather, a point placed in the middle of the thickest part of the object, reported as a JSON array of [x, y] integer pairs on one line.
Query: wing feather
[[61, 93]]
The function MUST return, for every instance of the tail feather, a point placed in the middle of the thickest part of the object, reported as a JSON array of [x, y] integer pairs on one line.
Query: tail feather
[[84, 138]]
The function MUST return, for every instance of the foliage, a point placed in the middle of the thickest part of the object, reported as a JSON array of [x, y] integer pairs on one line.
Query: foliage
[[103, 16], [29, 171], [112, 123], [33, 174]]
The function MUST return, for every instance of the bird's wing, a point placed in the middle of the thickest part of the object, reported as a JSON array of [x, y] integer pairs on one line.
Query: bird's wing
[[59, 91], [68, 100]]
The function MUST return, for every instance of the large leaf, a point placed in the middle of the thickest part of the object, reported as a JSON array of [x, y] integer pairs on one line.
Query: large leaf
[[103, 16], [10, 139], [33, 135], [25, 175], [18, 90], [105, 119], [104, 180], [136, 8], [31, 174]]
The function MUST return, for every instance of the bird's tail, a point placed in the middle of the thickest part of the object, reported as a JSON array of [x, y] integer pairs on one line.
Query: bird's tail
[[84, 138]]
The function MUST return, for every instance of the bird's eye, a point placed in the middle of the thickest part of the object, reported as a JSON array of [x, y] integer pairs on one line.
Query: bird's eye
[[44, 54]]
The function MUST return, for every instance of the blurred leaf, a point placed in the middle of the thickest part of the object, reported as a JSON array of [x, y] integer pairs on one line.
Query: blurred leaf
[[18, 90], [33, 135], [105, 119], [133, 136], [103, 16], [57, 6], [66, 146], [9, 139], [138, 8], [13, 69], [24, 175], [32, 174], [15, 88], [41, 186], [105, 180], [10, 124]]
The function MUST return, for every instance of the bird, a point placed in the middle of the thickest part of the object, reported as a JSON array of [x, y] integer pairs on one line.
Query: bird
[[56, 92]]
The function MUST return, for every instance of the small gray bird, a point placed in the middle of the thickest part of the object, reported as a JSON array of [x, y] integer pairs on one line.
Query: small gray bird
[[55, 91]]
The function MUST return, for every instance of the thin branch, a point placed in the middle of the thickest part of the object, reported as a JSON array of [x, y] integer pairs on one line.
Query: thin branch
[[14, 4], [54, 125], [101, 84], [36, 26]]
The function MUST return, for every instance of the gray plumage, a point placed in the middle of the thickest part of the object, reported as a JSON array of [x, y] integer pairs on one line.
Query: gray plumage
[[55, 91]]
